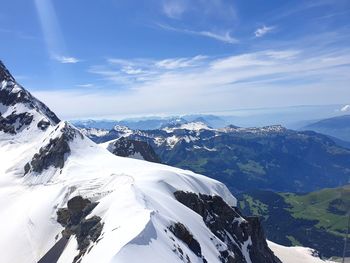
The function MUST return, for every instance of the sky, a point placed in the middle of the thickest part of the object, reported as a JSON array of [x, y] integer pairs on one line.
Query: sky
[[120, 58]]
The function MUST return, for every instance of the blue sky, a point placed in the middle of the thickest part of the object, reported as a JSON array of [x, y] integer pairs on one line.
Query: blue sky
[[116, 58]]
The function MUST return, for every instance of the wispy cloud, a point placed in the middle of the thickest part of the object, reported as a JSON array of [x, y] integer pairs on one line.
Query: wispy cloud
[[127, 72], [220, 36], [66, 59], [178, 63], [262, 31], [224, 37], [202, 83], [174, 8], [219, 10], [87, 85]]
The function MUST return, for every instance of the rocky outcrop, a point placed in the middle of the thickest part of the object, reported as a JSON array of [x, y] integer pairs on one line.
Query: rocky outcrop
[[126, 147], [54, 153], [73, 219], [43, 124], [182, 233], [227, 224], [15, 122]]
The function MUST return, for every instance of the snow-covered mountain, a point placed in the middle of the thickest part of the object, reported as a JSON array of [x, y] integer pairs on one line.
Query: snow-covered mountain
[[67, 199]]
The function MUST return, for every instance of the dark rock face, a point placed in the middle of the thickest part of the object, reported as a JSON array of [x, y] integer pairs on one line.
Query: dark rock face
[[43, 125], [128, 147], [182, 233], [73, 219], [260, 251], [225, 223], [15, 122], [54, 153]]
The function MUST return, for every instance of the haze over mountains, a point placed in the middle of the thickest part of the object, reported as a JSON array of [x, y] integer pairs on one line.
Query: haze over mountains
[[296, 117], [337, 127]]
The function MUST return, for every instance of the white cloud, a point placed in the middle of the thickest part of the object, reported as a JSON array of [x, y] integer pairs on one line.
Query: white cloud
[[88, 85], [66, 60], [285, 54], [174, 8], [197, 84], [223, 36], [260, 32], [177, 63], [346, 108]]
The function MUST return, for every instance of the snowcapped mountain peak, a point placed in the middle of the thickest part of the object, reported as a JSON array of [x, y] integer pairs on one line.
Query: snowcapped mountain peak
[[121, 128], [5, 75], [254, 130], [190, 126], [90, 132], [195, 126], [19, 110]]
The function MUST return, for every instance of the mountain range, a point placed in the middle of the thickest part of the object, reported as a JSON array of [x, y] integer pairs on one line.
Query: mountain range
[[316, 219], [271, 157], [66, 199]]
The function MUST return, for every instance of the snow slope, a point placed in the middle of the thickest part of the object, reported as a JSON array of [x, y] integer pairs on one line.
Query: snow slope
[[295, 254]]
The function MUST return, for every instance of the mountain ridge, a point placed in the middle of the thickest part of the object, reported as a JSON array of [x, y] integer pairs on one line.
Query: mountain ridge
[[273, 157]]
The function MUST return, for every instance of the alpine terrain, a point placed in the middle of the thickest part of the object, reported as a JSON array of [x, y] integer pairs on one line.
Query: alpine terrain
[[66, 199], [269, 158]]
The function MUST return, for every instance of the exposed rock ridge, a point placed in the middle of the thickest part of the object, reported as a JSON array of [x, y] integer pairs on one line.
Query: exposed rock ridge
[[55, 152], [229, 226], [15, 122], [182, 233], [73, 219], [126, 147]]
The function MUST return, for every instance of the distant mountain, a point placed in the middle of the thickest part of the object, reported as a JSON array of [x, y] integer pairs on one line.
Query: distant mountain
[[338, 127], [94, 133], [271, 157], [317, 219], [210, 120], [152, 123]]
